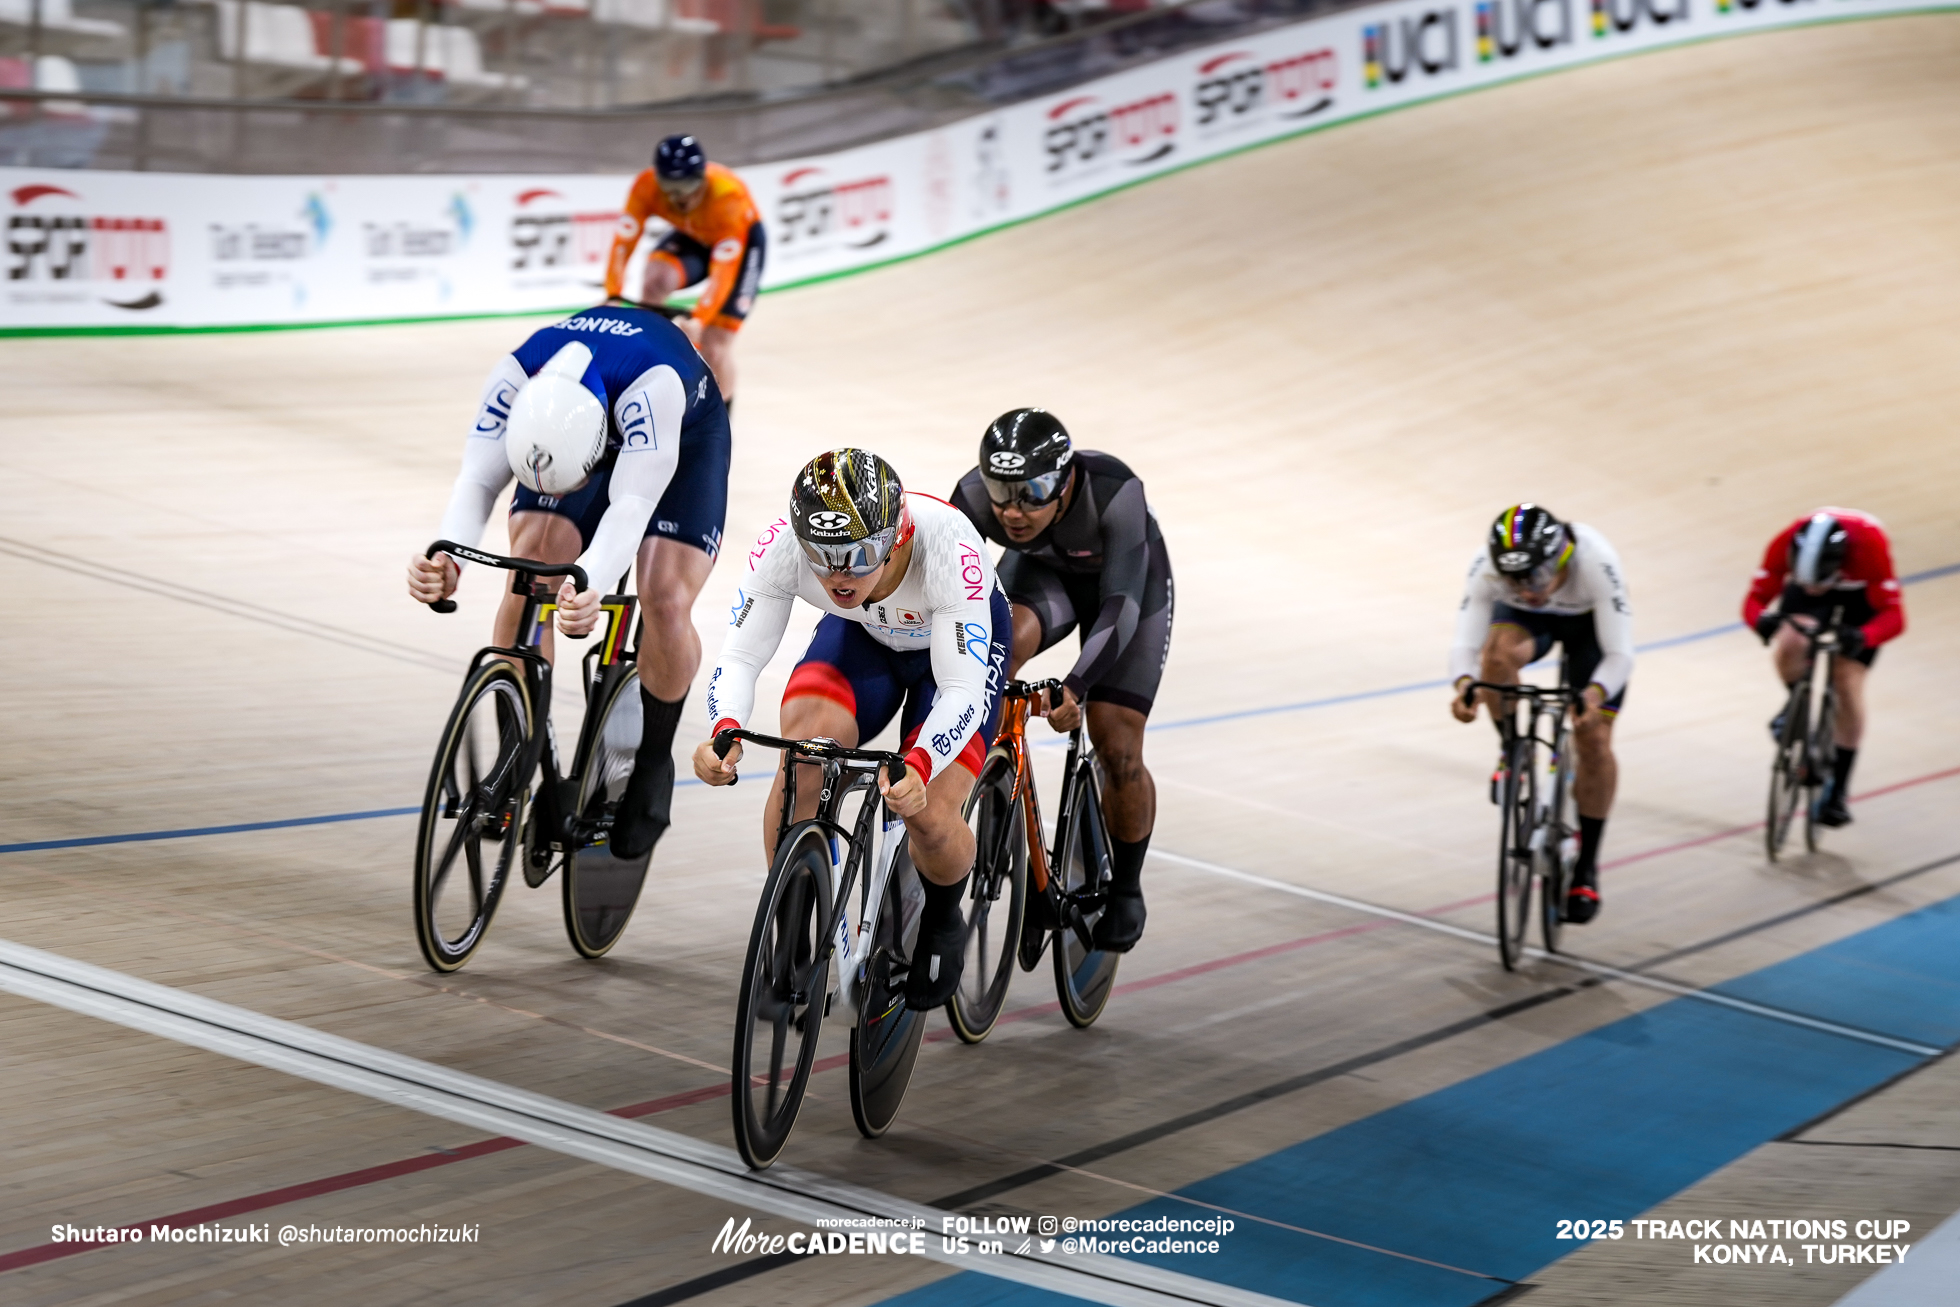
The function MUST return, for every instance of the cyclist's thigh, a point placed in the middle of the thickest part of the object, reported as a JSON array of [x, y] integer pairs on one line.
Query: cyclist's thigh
[[685, 255], [1519, 635], [1131, 682], [695, 504], [1580, 639], [545, 536], [579, 511], [1041, 590], [846, 667]]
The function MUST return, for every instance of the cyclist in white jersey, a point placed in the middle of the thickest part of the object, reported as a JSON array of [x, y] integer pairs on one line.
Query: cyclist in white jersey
[[914, 620], [1542, 582]]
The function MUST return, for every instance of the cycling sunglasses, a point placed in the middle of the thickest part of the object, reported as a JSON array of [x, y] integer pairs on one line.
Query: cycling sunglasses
[[857, 557], [1034, 492]]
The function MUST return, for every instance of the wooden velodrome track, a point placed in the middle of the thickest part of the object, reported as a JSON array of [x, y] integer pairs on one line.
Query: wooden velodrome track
[[1681, 297]]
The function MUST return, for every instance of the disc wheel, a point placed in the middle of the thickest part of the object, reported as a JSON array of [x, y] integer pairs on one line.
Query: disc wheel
[[1787, 771], [1514, 858], [472, 815], [885, 1040], [600, 890], [784, 986], [1084, 974], [996, 900]]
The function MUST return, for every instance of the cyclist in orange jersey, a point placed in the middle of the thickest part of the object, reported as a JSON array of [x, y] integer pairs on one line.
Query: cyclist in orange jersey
[[717, 238]]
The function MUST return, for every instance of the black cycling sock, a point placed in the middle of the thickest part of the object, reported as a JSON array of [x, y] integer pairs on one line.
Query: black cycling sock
[[646, 809], [1841, 778], [942, 904], [1126, 863], [1591, 830]]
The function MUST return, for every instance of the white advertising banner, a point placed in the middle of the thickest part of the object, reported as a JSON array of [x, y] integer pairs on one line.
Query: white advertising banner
[[92, 250]]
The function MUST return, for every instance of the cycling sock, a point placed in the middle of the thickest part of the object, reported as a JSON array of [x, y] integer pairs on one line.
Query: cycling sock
[[1126, 864], [942, 904], [1591, 829], [938, 956], [647, 806], [1841, 778]]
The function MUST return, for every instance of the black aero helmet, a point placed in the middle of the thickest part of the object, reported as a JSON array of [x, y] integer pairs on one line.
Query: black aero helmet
[[680, 159], [1025, 457], [848, 511], [1817, 550], [1528, 546]]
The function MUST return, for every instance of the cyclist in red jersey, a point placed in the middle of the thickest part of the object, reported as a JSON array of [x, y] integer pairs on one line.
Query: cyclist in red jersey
[[1835, 558]]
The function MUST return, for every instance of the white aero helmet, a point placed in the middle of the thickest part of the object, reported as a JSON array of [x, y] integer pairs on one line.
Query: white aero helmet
[[557, 429]]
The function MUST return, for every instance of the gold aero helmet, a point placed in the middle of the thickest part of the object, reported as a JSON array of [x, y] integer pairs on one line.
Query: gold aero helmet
[[848, 511]]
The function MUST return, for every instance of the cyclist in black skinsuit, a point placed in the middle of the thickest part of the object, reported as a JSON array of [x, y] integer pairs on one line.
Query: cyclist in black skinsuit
[[1084, 551]]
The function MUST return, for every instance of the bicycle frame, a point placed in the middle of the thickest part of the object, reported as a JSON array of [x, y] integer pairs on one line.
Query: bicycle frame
[[1016, 708]]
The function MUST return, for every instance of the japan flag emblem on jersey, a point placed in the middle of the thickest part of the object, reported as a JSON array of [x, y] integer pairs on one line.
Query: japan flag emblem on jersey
[[906, 617]]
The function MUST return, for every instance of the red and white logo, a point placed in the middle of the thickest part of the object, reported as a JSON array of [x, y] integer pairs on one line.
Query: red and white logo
[[1085, 130], [815, 212], [546, 233], [1239, 88], [54, 238]]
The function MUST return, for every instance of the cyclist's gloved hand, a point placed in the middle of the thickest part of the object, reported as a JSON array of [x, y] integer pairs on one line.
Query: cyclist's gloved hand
[[578, 610], [1851, 641], [1766, 626]]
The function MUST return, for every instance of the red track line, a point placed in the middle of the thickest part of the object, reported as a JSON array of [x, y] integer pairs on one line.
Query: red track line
[[688, 1098]]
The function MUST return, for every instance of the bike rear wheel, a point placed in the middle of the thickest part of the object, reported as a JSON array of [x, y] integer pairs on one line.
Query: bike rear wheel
[[600, 890], [1515, 803], [1787, 770], [1084, 975], [885, 1040], [996, 900], [784, 990], [472, 815]]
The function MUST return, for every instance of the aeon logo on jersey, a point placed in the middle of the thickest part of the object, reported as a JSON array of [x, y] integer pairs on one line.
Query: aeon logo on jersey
[[1237, 90], [1506, 27], [1613, 16], [1084, 132], [53, 239], [815, 213], [546, 234], [1424, 43]]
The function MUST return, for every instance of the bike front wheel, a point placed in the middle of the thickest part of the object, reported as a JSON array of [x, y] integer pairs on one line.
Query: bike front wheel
[[1555, 868], [1821, 762], [472, 815], [784, 990], [885, 1040], [1515, 800], [600, 890], [1787, 772], [996, 900], [1084, 974]]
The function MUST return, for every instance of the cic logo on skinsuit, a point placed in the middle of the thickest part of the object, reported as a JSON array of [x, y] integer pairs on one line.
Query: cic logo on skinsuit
[[1424, 43], [1084, 132], [56, 246], [1237, 89]]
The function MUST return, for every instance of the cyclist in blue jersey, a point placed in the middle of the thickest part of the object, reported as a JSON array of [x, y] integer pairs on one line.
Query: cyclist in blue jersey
[[618, 438]]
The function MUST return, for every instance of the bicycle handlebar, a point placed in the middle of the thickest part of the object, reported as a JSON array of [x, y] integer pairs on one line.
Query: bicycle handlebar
[[667, 311], [531, 565], [893, 763], [1564, 693], [1029, 689]]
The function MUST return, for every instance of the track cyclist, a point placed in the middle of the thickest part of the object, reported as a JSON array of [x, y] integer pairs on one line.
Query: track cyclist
[[1833, 558], [618, 438], [717, 238], [1084, 551], [912, 616], [1542, 582]]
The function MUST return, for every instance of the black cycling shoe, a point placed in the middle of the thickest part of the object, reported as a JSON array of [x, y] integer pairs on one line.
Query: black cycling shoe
[[1776, 725], [936, 962], [1831, 808], [644, 810], [1121, 924], [1582, 899]]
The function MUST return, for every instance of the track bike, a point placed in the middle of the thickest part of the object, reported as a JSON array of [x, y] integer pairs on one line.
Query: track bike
[[481, 814], [1053, 895], [1537, 813], [1806, 743], [838, 889]]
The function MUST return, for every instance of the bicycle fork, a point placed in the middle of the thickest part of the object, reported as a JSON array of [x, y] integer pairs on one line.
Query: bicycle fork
[[854, 947]]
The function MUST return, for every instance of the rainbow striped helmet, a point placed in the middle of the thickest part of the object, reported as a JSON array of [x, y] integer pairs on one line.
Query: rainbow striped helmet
[[1528, 546]]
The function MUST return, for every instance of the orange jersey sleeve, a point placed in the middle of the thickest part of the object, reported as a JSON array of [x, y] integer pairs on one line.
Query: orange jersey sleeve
[[721, 222], [640, 202]]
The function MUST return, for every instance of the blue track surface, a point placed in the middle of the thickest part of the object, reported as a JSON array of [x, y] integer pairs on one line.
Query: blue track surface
[[1476, 1176]]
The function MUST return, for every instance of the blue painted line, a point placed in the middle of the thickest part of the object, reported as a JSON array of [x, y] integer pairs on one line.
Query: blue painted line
[[145, 836], [1304, 705], [1605, 1125]]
